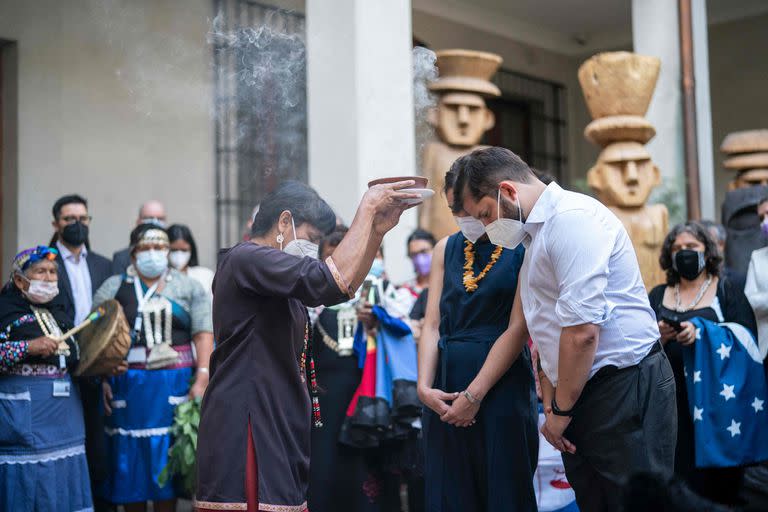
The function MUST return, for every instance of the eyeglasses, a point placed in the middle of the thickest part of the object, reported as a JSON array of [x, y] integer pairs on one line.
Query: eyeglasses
[[71, 219]]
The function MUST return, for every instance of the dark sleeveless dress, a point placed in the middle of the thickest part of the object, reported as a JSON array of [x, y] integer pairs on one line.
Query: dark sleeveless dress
[[488, 466]]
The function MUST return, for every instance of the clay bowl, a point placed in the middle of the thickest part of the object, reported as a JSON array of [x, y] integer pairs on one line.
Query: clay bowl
[[421, 181]]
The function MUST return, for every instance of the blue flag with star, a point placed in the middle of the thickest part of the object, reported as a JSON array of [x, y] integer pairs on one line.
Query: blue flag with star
[[726, 395]]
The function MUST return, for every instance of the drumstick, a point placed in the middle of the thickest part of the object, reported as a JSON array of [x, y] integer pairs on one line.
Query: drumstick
[[88, 321]]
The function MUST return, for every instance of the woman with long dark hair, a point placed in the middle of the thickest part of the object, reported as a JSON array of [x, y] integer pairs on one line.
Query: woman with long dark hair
[[695, 289], [487, 463], [183, 256], [254, 438]]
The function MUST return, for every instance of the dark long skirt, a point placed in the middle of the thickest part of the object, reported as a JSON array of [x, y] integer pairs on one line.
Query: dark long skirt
[[489, 466], [342, 477]]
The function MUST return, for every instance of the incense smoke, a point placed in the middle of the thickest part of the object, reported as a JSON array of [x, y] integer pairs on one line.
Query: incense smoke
[[424, 72]]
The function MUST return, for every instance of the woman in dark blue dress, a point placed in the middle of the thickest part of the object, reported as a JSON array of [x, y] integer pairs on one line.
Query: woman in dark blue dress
[[485, 463]]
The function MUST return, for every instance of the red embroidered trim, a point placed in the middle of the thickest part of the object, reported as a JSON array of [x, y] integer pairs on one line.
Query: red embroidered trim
[[210, 506], [340, 282], [186, 359]]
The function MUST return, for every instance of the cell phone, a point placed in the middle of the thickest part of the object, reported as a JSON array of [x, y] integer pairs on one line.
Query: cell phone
[[672, 320]]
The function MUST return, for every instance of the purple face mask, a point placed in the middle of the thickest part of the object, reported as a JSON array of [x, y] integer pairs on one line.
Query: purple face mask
[[422, 262], [764, 227]]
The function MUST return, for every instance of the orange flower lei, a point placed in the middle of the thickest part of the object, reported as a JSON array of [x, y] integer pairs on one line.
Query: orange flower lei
[[470, 279]]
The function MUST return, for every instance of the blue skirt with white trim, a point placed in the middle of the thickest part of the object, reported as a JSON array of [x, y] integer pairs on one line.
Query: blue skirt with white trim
[[138, 432], [42, 451]]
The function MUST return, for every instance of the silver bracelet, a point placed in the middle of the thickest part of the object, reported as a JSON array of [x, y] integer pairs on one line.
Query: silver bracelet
[[469, 397], [203, 369]]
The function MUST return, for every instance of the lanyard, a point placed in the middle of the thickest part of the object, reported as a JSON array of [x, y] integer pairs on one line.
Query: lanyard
[[142, 298]]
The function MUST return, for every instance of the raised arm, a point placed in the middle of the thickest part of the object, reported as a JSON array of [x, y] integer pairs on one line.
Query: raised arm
[[433, 398], [379, 211]]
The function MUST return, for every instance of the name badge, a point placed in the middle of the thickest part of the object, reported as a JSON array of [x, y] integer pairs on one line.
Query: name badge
[[137, 355], [61, 388]]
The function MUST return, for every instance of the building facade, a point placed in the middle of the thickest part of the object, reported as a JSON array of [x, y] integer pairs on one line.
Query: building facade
[[194, 103]]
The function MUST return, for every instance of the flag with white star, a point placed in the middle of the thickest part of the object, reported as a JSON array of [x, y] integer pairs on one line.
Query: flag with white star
[[726, 395]]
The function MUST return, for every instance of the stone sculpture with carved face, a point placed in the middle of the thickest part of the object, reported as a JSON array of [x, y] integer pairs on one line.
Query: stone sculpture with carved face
[[624, 175], [460, 120], [618, 87]]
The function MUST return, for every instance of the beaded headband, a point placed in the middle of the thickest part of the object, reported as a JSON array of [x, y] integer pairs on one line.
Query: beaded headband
[[153, 236], [29, 257]]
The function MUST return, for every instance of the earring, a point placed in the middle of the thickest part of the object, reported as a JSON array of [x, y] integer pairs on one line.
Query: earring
[[280, 239]]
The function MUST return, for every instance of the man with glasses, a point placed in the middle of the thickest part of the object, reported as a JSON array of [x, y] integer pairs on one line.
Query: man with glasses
[[81, 273]]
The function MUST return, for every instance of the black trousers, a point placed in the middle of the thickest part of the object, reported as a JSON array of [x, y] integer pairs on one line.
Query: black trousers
[[624, 422]]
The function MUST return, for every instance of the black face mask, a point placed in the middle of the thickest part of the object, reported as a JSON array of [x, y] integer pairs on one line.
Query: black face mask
[[689, 264], [75, 233]]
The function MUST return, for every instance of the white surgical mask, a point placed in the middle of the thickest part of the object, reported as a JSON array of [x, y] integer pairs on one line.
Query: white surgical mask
[[41, 292], [152, 263], [470, 227], [179, 259], [300, 247], [508, 233]]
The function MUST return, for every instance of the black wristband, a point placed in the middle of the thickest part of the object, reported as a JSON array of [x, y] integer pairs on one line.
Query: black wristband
[[559, 412]]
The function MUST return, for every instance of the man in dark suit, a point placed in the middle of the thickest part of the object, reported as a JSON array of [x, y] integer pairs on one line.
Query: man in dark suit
[[81, 273], [151, 212]]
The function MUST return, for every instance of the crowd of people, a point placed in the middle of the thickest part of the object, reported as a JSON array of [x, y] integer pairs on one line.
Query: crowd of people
[[83, 443], [333, 388]]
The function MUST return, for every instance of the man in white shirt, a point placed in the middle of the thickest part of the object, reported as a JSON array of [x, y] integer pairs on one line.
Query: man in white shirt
[[607, 387]]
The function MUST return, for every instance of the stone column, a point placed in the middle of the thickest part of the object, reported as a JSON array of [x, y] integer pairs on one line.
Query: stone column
[[703, 111], [655, 33], [360, 106]]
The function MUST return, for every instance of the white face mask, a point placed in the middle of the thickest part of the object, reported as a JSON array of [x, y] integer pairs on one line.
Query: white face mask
[[470, 227], [300, 247], [179, 259], [41, 292], [508, 233], [152, 263]]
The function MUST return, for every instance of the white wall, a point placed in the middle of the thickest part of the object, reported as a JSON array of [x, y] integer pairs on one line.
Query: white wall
[[114, 103]]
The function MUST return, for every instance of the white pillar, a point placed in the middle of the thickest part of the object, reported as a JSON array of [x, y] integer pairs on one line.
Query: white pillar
[[360, 106], [703, 110], [655, 32]]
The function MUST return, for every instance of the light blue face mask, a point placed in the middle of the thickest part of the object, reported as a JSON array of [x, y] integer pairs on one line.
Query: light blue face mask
[[152, 263], [377, 268]]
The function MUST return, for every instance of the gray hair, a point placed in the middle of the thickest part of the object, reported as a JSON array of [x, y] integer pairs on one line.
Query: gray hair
[[717, 230]]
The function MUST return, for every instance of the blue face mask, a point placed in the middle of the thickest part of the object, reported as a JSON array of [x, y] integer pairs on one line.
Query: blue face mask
[[152, 263], [377, 269]]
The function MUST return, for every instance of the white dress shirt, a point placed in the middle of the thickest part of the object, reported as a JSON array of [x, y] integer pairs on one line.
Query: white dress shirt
[[756, 290], [580, 268], [79, 280]]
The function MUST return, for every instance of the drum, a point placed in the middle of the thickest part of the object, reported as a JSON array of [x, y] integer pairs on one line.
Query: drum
[[105, 343]]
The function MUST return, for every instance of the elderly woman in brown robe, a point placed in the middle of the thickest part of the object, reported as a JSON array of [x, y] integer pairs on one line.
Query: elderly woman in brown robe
[[254, 437]]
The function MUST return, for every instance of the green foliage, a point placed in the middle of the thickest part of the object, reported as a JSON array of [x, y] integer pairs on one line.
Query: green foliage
[[181, 456]]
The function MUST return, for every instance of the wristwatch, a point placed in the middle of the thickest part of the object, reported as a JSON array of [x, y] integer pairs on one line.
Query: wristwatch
[[559, 412]]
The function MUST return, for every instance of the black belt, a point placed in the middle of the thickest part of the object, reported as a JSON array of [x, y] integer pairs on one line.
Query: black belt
[[609, 370]]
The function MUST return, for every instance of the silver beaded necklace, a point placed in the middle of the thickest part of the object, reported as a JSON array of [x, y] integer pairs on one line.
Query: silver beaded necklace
[[702, 291]]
